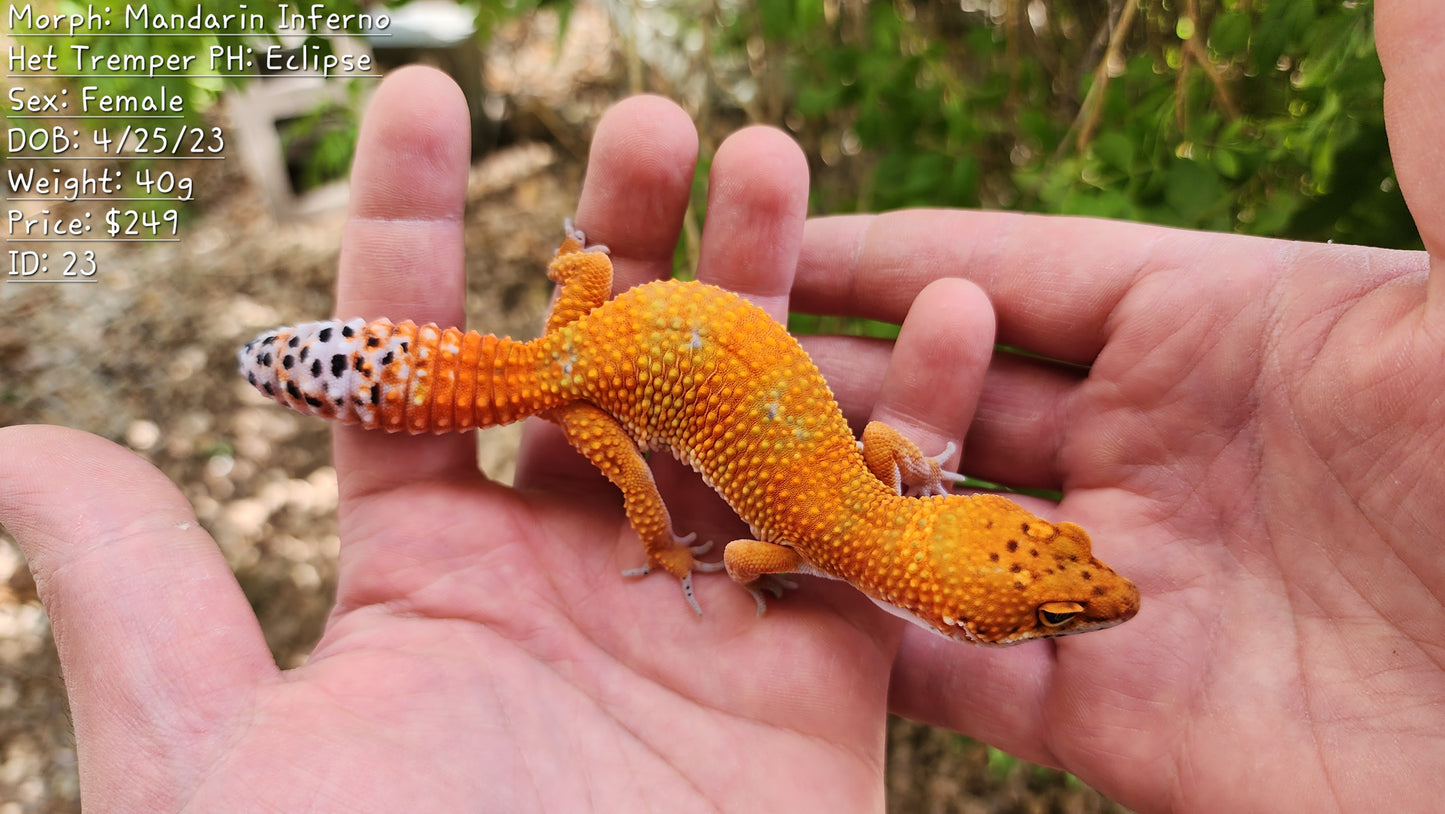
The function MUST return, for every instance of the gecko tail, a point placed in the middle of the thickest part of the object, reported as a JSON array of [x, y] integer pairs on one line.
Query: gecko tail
[[394, 377]]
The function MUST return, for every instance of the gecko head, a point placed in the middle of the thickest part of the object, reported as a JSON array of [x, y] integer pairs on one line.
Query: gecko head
[[1006, 576]]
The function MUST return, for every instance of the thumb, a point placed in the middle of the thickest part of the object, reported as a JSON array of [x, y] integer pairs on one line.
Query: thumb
[[1410, 37], [154, 634]]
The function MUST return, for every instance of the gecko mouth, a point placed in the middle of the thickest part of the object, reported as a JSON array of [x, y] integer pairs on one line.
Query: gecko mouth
[[960, 629]]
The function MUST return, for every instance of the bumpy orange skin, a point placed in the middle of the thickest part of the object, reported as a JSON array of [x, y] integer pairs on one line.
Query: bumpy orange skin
[[711, 377]]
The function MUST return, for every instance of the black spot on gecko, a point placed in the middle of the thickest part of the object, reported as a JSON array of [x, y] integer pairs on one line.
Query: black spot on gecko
[[269, 339], [313, 401], [347, 331], [270, 391], [1013, 545], [293, 391], [288, 361], [405, 347], [386, 360], [1085, 575], [1033, 552], [316, 368], [1015, 568], [1099, 590], [359, 364], [251, 377], [376, 393], [324, 335], [1018, 586], [1026, 528], [373, 341], [293, 341], [264, 360], [304, 351], [993, 556], [338, 364]]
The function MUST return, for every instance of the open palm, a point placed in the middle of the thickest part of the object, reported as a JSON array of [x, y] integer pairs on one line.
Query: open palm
[[485, 652], [1256, 442]]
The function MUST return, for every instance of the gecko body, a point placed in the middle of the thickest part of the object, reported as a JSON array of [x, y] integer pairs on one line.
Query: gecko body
[[702, 372]]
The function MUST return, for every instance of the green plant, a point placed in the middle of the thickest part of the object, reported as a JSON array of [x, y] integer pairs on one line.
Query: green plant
[[1261, 117]]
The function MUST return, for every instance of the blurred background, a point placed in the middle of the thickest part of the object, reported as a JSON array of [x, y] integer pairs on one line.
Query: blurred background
[[1252, 116]]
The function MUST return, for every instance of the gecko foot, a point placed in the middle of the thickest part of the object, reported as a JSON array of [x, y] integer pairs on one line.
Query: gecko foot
[[675, 562], [686, 584], [578, 235], [774, 584], [945, 477]]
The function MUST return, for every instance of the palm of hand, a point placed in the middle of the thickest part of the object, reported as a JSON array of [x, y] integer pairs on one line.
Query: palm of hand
[[1212, 438], [452, 667]]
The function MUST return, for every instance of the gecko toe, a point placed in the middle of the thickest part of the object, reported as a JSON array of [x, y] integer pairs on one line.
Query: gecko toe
[[775, 584], [760, 599], [688, 595]]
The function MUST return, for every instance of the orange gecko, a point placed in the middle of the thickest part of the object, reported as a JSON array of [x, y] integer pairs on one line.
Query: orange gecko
[[714, 379]]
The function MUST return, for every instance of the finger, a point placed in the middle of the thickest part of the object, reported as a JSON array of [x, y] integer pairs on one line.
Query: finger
[[1054, 282], [1021, 423], [402, 255], [1045, 702], [757, 203], [929, 671], [853, 367], [639, 176], [932, 384], [154, 633], [1408, 35]]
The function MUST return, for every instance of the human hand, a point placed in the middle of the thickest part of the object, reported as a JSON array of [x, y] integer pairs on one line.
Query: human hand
[[485, 652], [1257, 443]]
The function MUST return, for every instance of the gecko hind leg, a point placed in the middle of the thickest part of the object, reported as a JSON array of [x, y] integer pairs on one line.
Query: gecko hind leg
[[902, 466], [761, 567], [598, 436], [585, 275]]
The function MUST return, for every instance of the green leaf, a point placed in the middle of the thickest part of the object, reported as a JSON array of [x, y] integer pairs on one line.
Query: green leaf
[[1192, 190], [1229, 34], [1227, 163], [1115, 149]]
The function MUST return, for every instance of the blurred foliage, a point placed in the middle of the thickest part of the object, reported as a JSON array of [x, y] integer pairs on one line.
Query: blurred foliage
[[1254, 116], [318, 146]]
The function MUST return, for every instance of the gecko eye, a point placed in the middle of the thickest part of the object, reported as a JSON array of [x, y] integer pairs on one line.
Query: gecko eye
[[1054, 614]]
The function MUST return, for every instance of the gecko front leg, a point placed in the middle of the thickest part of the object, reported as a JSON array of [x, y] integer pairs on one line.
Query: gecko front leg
[[899, 462]]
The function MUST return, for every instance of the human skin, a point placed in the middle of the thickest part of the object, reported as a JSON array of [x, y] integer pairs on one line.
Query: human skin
[[1256, 444]]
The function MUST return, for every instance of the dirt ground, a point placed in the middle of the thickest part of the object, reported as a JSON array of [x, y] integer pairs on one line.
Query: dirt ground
[[146, 358]]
